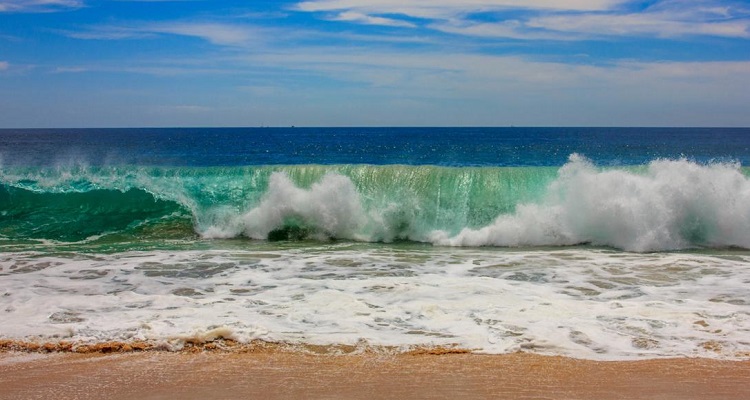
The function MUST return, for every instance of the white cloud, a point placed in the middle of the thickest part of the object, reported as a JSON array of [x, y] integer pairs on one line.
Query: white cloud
[[353, 86], [39, 5], [108, 33], [353, 16], [512, 29], [548, 19], [480, 89], [478, 73], [262, 15], [222, 34], [449, 11], [217, 33], [234, 34], [646, 24], [443, 8], [67, 70]]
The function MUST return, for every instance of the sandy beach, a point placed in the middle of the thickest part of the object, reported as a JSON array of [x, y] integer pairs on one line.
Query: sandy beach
[[289, 375]]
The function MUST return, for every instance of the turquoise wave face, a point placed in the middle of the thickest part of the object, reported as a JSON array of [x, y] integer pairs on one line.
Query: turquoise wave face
[[77, 216], [667, 204], [380, 203]]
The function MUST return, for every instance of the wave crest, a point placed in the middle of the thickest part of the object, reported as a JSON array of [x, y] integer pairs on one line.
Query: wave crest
[[673, 204], [664, 205], [331, 208]]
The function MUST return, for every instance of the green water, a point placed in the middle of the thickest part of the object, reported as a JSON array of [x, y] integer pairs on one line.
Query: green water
[[128, 204]]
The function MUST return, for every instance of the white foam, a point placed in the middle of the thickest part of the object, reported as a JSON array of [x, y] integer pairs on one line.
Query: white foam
[[673, 204], [576, 302], [331, 207]]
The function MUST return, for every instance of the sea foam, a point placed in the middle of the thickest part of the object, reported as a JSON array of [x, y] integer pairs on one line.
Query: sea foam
[[587, 303], [665, 205], [330, 208], [672, 204]]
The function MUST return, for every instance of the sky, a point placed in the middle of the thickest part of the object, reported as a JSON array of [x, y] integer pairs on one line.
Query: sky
[[154, 63]]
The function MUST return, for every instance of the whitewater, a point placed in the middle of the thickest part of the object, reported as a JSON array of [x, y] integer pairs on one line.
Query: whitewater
[[591, 258]]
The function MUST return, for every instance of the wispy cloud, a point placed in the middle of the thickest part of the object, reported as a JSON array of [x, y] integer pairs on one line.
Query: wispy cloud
[[330, 86], [262, 15], [353, 16], [470, 88], [632, 25], [237, 34], [656, 22], [217, 33], [160, 68], [548, 19], [443, 8], [69, 70], [411, 62], [588, 26], [108, 33], [37, 6], [511, 29], [492, 72]]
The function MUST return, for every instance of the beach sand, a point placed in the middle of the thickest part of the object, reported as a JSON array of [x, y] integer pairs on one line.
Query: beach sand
[[277, 374]]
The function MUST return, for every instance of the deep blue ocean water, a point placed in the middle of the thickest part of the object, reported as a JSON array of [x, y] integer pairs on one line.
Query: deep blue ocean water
[[379, 146]]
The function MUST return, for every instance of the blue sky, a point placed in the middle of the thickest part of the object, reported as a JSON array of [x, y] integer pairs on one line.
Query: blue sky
[[89, 63]]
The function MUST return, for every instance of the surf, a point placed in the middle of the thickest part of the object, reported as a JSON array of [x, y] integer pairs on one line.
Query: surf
[[663, 205]]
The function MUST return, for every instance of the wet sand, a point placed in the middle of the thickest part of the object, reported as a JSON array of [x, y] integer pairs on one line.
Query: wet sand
[[297, 375]]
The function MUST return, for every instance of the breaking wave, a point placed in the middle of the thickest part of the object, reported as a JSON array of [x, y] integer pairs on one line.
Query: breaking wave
[[664, 205]]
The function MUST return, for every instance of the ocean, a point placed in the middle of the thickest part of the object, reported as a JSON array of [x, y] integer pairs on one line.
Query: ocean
[[595, 243]]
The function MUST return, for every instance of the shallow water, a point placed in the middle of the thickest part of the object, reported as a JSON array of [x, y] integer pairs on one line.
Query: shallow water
[[582, 302]]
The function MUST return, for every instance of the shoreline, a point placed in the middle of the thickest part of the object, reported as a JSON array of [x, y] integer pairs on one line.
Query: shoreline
[[275, 372], [212, 344], [221, 341]]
